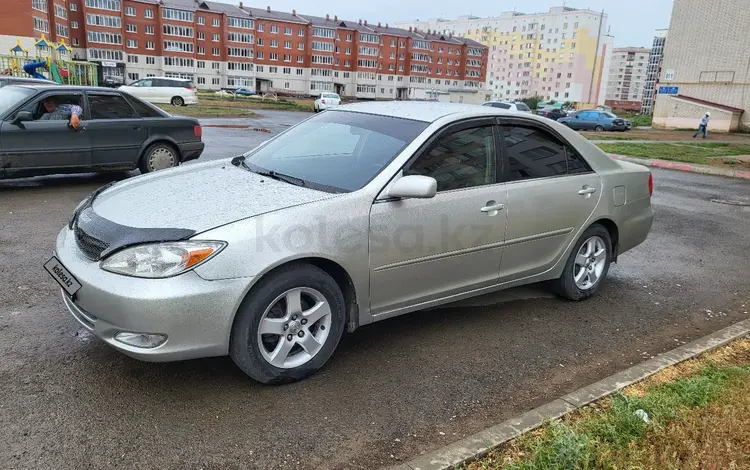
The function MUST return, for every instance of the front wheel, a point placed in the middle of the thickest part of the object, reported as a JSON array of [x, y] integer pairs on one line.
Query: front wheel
[[587, 265], [289, 325]]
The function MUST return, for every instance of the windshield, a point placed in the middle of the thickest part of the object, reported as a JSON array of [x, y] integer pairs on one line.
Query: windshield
[[10, 96], [339, 151]]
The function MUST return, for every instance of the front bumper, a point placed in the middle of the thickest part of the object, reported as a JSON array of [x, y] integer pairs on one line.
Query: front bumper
[[196, 315], [191, 150]]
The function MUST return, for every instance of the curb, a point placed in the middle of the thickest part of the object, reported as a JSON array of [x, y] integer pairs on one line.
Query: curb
[[668, 165], [481, 443]]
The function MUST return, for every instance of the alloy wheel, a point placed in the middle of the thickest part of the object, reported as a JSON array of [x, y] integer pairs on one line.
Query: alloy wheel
[[294, 328], [161, 158], [590, 263]]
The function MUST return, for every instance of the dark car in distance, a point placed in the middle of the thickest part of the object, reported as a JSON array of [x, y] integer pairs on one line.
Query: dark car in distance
[[595, 120], [117, 132], [551, 113]]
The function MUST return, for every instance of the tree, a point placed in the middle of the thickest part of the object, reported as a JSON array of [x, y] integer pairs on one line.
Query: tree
[[532, 102]]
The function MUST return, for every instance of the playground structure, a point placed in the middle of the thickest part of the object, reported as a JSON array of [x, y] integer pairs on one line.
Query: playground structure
[[50, 62]]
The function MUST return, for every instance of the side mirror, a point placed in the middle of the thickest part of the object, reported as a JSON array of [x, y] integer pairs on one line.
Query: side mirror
[[414, 186], [23, 116]]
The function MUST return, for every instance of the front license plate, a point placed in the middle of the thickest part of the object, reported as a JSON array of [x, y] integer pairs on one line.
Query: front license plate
[[63, 277]]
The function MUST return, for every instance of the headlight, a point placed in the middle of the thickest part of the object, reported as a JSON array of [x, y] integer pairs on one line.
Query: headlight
[[160, 260]]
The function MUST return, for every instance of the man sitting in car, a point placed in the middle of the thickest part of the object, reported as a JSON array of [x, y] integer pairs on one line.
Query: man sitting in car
[[61, 112]]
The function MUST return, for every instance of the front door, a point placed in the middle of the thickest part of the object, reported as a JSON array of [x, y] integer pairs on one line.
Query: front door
[[43, 146], [427, 249], [551, 195], [116, 131], [339, 89]]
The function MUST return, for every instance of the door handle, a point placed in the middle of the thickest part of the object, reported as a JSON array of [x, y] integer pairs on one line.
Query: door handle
[[492, 208], [136, 128], [586, 190]]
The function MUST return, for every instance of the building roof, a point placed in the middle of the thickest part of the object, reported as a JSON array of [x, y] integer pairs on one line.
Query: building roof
[[710, 103], [269, 14], [229, 10]]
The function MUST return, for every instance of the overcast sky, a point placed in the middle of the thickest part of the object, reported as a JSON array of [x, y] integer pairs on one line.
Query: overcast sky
[[631, 22]]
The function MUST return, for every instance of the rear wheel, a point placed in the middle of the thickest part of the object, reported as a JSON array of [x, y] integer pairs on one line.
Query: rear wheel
[[587, 265], [158, 156], [599, 129], [177, 101], [289, 325]]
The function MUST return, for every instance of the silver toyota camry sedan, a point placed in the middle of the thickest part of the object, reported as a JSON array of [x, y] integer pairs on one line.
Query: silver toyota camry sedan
[[353, 216]]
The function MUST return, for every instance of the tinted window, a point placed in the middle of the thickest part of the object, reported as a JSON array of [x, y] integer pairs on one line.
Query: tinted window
[[160, 82], [110, 107], [459, 159], [2, 82], [522, 107], [142, 108], [610, 115], [339, 150], [533, 153], [12, 96], [576, 164], [501, 105], [143, 83]]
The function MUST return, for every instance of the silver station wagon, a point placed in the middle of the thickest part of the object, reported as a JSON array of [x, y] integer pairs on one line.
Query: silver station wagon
[[355, 215]]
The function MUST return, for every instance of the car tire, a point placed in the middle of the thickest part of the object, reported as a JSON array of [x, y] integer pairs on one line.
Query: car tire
[[572, 283], [253, 351], [158, 156], [177, 101], [599, 129]]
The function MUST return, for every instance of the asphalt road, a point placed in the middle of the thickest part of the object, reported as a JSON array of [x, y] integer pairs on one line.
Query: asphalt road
[[391, 391]]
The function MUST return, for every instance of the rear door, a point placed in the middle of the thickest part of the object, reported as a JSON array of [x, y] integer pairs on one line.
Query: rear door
[[44, 147], [115, 130], [551, 194]]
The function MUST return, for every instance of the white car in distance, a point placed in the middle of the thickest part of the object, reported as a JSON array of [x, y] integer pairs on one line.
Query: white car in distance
[[510, 106], [327, 100], [175, 91]]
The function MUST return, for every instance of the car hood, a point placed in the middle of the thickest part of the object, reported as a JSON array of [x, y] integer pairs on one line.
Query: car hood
[[198, 197]]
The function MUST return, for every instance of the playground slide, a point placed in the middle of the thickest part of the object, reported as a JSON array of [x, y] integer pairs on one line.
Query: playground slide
[[55, 73], [31, 67]]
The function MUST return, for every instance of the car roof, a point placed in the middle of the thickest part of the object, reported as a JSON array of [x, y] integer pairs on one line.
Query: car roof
[[426, 111], [28, 79], [58, 88]]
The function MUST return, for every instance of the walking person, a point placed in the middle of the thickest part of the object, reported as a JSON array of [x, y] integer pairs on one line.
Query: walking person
[[703, 126]]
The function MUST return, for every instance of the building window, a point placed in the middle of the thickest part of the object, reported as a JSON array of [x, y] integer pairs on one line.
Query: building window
[[239, 52], [103, 20], [214, 65], [182, 31], [74, 24], [287, 58], [150, 45], [322, 46], [149, 30], [73, 7], [215, 81], [148, 13], [201, 80], [61, 30], [323, 33], [274, 29], [321, 59], [129, 11], [75, 42], [300, 59], [273, 70], [112, 5], [179, 62], [61, 12], [178, 15], [131, 28], [133, 77], [273, 56], [300, 71], [215, 37], [301, 32], [259, 55], [178, 46], [200, 20], [288, 31], [301, 46], [150, 60], [104, 38], [215, 23], [242, 23], [132, 43], [201, 50], [273, 43], [240, 37], [260, 27]]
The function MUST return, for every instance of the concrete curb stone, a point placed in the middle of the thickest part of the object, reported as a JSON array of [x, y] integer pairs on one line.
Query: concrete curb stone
[[481, 443], [668, 165]]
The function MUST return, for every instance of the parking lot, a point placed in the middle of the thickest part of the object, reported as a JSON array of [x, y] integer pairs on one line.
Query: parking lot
[[392, 390]]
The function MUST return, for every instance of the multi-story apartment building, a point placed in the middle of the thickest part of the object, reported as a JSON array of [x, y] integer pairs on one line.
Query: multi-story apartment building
[[226, 46], [560, 55], [627, 78], [705, 66], [653, 71]]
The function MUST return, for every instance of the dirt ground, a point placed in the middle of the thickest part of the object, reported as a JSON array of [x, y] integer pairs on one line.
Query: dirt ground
[[663, 134]]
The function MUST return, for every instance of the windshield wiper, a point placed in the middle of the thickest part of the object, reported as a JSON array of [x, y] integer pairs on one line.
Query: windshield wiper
[[240, 161]]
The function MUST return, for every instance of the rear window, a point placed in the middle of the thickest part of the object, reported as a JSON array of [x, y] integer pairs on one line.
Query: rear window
[[143, 109], [497, 105], [330, 95], [522, 107], [189, 84]]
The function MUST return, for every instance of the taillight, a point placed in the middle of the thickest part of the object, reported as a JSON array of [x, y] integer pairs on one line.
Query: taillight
[[650, 184], [323, 101], [198, 131]]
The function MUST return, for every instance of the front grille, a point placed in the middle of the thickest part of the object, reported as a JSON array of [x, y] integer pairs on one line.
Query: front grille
[[91, 247]]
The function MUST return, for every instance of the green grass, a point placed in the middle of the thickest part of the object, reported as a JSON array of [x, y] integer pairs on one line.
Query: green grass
[[700, 153], [637, 120], [208, 111], [599, 438], [285, 104]]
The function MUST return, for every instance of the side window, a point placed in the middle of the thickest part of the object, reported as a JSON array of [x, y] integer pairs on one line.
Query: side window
[[533, 153], [142, 108], [110, 107], [160, 82], [501, 105], [58, 107], [576, 164], [460, 159]]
